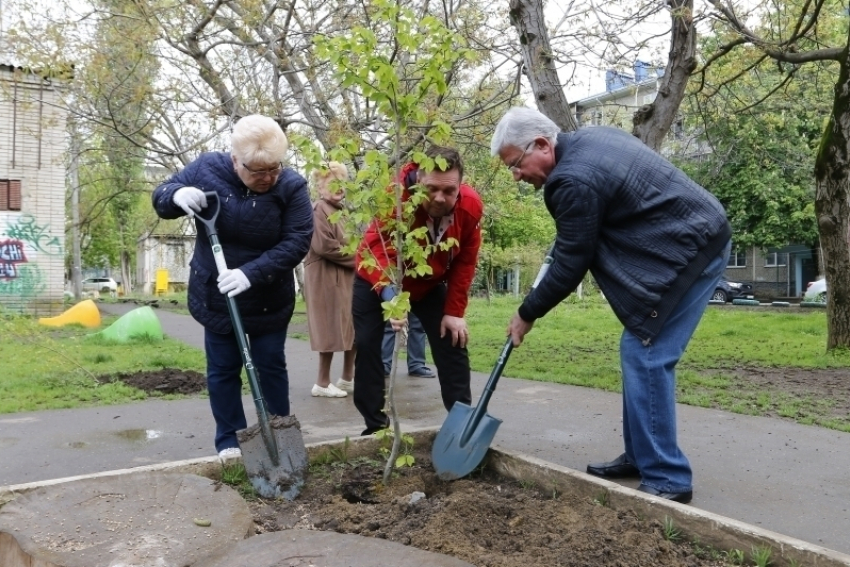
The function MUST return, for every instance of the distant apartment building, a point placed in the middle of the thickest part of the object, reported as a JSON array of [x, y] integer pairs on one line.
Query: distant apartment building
[[167, 248], [33, 144]]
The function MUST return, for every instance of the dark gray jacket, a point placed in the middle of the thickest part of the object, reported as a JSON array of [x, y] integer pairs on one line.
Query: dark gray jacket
[[642, 227], [265, 235]]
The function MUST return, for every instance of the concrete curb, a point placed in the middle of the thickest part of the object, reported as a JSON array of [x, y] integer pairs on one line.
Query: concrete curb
[[708, 528]]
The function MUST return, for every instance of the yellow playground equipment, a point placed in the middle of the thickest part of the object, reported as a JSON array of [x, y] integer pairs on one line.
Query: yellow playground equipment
[[84, 313]]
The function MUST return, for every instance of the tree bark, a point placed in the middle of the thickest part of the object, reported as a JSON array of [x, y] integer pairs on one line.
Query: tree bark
[[527, 17], [144, 518], [652, 121], [832, 170]]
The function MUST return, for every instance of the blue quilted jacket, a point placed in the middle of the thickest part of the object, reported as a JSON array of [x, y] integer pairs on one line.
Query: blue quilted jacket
[[642, 227], [265, 235]]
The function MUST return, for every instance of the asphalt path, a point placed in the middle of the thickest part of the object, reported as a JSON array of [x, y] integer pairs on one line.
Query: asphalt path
[[772, 473]]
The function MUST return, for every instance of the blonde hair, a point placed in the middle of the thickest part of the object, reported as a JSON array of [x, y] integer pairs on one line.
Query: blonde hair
[[333, 169], [258, 139]]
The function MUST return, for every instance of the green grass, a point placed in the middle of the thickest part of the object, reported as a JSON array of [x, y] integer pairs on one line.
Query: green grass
[[578, 343], [49, 368]]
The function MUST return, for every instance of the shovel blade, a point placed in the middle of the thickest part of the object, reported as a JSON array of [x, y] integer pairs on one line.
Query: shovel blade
[[453, 459], [285, 479]]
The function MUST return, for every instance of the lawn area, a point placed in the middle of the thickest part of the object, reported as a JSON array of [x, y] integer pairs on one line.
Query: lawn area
[[577, 343], [50, 368]]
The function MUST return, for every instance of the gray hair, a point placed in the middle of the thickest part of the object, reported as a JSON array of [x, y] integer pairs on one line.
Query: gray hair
[[520, 126], [259, 139]]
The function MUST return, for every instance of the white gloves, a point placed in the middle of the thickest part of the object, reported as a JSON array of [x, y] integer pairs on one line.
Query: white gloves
[[232, 282], [190, 199]]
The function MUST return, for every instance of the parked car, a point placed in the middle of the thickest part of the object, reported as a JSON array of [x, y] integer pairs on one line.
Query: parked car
[[103, 285], [816, 291], [727, 291]]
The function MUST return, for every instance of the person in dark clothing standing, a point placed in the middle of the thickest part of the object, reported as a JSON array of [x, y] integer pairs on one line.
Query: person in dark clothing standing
[[452, 211], [265, 225], [656, 243]]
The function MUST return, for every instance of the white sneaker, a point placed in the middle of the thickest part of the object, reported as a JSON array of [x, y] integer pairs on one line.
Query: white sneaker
[[230, 453], [330, 392], [345, 385]]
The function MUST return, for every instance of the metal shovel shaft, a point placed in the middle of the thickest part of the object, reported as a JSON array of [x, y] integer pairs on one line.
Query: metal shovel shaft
[[489, 388]]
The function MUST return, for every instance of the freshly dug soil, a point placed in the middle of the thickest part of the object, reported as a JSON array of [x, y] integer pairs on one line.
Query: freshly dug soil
[[486, 520], [165, 381]]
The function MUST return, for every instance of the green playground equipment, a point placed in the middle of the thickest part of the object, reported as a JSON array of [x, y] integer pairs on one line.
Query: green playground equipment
[[139, 322]]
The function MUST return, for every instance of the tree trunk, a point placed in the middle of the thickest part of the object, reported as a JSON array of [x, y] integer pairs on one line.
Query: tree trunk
[[144, 518], [126, 267], [652, 121], [527, 17], [832, 172]]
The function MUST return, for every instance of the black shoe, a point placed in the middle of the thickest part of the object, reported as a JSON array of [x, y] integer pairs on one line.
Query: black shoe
[[618, 468], [372, 430], [423, 372], [683, 497]]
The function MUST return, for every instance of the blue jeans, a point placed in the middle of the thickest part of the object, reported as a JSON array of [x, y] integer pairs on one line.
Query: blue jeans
[[224, 380], [415, 345], [649, 388]]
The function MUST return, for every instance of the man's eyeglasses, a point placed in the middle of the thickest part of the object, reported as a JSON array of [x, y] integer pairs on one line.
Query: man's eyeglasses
[[258, 173], [514, 168]]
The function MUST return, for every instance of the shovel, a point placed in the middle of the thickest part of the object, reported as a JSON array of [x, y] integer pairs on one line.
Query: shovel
[[467, 432], [271, 475]]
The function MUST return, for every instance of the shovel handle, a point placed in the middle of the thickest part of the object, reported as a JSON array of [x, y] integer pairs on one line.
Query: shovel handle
[[490, 387]]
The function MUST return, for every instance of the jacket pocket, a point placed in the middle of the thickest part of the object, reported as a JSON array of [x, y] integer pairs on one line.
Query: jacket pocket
[[203, 291]]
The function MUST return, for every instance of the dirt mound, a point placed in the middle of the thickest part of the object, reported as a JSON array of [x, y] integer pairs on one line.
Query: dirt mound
[[164, 381], [485, 519]]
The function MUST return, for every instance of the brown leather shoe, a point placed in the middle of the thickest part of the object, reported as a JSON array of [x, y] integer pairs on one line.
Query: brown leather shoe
[[618, 468]]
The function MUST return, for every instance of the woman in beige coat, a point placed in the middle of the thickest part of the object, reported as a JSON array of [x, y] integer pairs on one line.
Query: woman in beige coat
[[328, 284]]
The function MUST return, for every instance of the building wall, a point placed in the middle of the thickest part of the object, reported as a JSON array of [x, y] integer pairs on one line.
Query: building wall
[[169, 252], [773, 275], [33, 145]]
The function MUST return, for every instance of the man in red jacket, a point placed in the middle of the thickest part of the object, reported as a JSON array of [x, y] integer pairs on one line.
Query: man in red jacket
[[452, 210]]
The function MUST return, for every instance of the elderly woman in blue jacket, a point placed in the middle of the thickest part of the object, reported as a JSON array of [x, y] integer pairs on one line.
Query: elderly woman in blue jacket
[[265, 225]]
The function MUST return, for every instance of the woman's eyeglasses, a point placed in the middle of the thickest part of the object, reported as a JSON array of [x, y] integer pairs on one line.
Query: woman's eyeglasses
[[258, 173]]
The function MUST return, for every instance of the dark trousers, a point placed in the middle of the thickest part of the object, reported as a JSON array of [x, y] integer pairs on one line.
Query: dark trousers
[[224, 381], [452, 362]]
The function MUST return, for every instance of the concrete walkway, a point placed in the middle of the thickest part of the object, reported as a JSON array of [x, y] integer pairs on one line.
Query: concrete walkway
[[788, 478]]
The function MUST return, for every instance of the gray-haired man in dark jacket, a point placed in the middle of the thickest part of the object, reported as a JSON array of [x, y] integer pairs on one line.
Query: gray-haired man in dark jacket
[[656, 243]]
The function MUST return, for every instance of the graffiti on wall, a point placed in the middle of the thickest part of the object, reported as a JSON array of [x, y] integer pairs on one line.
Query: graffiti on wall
[[27, 229], [11, 256], [23, 239]]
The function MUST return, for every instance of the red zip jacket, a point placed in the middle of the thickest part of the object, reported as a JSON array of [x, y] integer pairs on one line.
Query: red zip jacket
[[455, 266]]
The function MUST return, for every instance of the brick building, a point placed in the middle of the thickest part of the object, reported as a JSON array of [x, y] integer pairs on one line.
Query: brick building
[[33, 144]]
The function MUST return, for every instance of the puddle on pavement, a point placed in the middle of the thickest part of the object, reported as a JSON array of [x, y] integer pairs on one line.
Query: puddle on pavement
[[132, 436], [138, 435]]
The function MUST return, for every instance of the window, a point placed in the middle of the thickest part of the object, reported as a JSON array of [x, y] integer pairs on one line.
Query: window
[[737, 259], [596, 118], [775, 259], [10, 195]]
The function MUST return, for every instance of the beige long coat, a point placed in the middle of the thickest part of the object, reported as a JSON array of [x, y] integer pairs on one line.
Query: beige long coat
[[328, 284]]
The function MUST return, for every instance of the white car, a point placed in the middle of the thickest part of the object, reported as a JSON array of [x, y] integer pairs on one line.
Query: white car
[[102, 285], [816, 291]]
